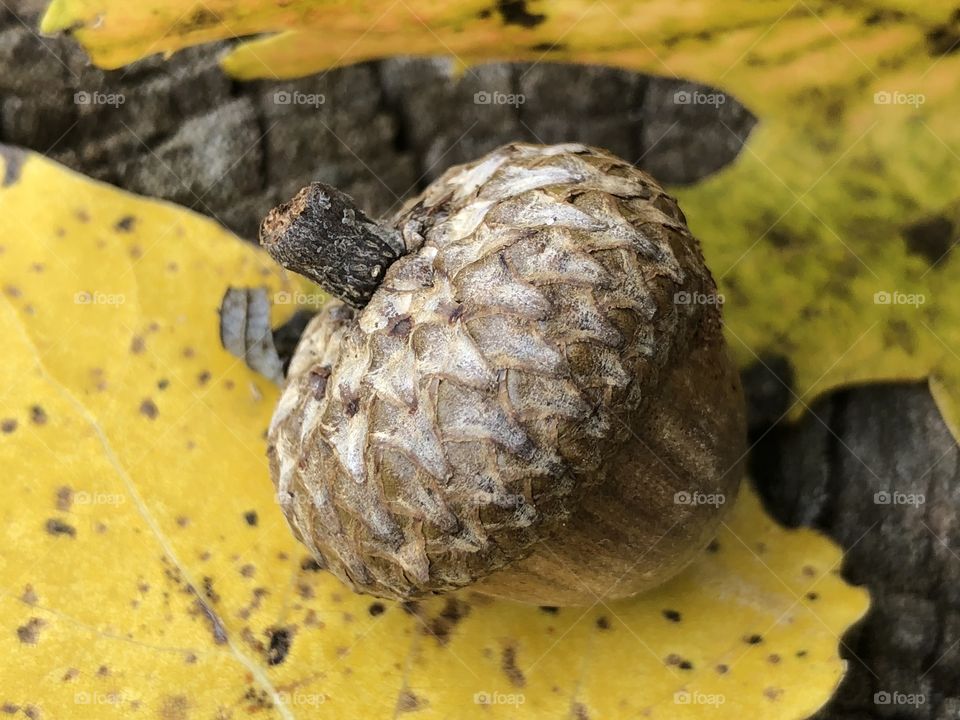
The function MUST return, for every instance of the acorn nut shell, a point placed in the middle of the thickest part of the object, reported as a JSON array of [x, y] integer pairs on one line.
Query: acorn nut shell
[[536, 400]]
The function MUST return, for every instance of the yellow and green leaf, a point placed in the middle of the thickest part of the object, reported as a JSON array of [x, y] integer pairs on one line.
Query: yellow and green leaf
[[146, 571], [808, 232]]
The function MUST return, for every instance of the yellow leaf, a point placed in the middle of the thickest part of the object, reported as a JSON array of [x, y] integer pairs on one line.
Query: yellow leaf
[[806, 232], [145, 566]]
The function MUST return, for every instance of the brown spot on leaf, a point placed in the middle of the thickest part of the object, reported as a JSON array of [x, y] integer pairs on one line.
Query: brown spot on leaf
[[943, 40], [508, 663], [376, 608], [931, 238], [29, 633], [672, 615], [515, 12], [148, 408], [549, 609], [443, 624], [125, 224], [251, 518], [38, 416], [55, 526], [64, 498], [579, 711], [280, 641], [772, 693], [309, 564], [208, 590], [202, 18], [603, 623], [174, 707], [137, 345], [722, 669], [753, 639], [882, 16], [8, 425], [408, 702], [29, 596]]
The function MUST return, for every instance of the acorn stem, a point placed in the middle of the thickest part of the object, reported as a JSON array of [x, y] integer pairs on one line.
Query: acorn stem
[[322, 235]]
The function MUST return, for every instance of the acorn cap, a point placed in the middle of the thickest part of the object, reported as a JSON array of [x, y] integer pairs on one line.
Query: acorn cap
[[537, 399]]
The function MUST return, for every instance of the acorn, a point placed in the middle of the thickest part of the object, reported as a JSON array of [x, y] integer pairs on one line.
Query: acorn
[[524, 388]]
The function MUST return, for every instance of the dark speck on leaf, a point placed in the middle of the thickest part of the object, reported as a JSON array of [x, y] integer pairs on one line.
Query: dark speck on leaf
[[931, 238], [753, 639], [549, 609], [38, 416], [376, 609], [8, 425], [29, 634], [280, 639], [148, 408], [309, 564], [943, 40], [125, 224], [515, 12], [251, 517], [603, 623], [56, 526], [672, 615]]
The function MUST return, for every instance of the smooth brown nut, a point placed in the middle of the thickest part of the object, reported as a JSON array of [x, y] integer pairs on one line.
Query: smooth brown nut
[[537, 401]]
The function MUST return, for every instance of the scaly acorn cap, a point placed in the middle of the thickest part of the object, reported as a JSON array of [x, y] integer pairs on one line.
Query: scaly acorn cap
[[536, 400]]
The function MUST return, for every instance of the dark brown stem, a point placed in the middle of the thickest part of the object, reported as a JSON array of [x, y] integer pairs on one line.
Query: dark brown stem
[[322, 235]]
